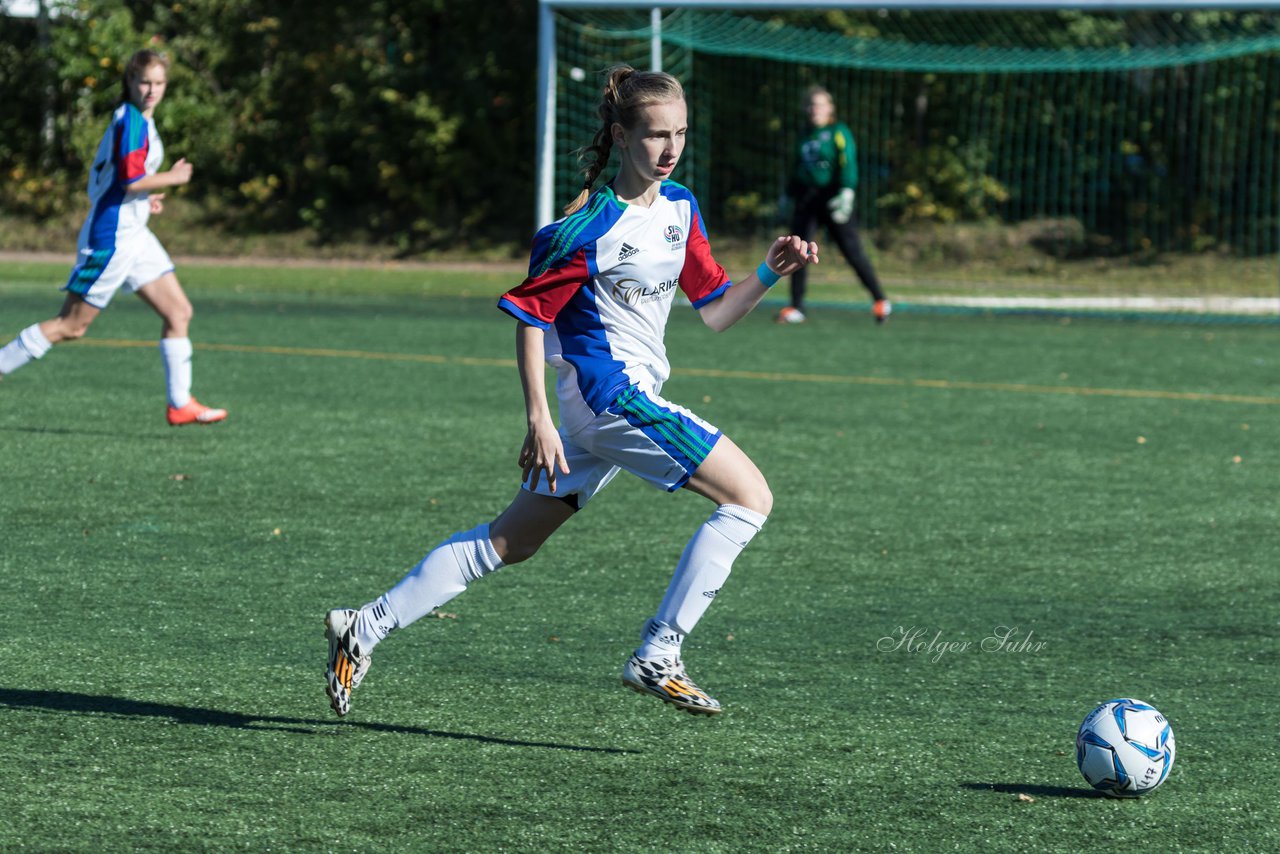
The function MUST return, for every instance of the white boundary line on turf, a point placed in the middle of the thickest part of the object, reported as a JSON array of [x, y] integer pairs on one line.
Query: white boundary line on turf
[[1203, 305], [1154, 304]]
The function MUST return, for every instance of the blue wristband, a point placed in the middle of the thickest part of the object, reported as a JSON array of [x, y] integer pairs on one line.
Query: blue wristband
[[767, 277]]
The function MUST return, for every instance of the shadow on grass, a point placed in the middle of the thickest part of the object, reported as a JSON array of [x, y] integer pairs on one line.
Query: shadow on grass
[[80, 431], [61, 701], [1034, 791]]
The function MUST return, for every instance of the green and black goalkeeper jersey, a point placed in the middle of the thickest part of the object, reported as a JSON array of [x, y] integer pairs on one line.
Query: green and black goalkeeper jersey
[[828, 158]]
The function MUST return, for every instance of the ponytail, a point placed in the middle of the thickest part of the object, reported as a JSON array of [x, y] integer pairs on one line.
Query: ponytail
[[626, 92], [598, 152]]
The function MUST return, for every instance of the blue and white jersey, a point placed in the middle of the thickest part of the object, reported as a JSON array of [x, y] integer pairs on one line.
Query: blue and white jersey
[[601, 283], [130, 149]]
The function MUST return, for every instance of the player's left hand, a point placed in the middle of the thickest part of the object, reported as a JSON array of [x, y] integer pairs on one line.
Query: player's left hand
[[157, 203], [790, 253]]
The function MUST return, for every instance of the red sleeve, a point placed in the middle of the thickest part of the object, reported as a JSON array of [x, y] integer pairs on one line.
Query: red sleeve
[[133, 140], [702, 279], [538, 299]]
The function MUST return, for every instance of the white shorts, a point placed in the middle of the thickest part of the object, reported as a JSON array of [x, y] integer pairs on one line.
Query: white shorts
[[658, 441], [136, 260]]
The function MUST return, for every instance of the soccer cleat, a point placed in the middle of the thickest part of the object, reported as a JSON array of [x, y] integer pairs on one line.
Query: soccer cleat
[[666, 680], [881, 310], [347, 662], [790, 314], [194, 412]]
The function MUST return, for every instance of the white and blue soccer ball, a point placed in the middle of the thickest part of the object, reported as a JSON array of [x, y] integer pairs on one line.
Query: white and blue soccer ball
[[1125, 748]]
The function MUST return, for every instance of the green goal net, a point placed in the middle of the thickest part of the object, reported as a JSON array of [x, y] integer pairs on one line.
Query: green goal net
[[1042, 151]]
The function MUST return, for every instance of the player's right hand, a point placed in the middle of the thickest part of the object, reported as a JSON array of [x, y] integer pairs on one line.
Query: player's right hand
[[542, 454]]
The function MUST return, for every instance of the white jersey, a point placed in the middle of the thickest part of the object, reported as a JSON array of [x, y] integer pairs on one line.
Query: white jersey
[[130, 149], [601, 284]]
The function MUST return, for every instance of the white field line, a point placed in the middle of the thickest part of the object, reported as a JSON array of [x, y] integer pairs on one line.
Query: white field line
[[1204, 305]]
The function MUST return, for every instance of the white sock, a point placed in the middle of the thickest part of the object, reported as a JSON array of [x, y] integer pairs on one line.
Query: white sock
[[659, 640], [373, 621], [438, 577], [176, 353], [30, 344], [703, 568]]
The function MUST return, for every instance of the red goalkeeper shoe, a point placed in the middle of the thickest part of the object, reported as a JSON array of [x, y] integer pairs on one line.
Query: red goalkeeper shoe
[[790, 314]]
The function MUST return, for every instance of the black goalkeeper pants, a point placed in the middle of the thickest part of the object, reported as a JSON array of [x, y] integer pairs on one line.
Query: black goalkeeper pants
[[811, 211]]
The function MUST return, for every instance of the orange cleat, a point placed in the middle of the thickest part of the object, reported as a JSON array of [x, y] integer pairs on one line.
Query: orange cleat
[[195, 412], [881, 310], [790, 314]]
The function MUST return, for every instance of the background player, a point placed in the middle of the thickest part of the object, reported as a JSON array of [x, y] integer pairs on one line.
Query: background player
[[595, 305], [822, 187], [117, 250]]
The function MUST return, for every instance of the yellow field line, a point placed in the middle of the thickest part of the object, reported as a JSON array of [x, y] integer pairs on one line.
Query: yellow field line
[[1020, 388], [321, 352], [760, 376]]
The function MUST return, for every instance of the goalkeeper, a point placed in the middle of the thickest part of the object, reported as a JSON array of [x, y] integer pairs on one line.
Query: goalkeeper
[[822, 186]]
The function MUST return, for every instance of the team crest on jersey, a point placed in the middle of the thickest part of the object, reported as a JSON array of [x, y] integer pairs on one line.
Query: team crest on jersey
[[674, 236]]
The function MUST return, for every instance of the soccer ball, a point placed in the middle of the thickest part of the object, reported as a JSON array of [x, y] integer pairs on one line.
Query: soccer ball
[[1125, 748]]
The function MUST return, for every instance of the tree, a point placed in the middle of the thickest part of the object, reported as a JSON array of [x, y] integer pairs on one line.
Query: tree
[[407, 121]]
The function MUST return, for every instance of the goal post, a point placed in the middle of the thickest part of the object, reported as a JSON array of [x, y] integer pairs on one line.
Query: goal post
[[1090, 128]]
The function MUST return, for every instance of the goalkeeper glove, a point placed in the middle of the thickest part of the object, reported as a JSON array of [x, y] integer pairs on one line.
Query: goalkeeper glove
[[841, 206]]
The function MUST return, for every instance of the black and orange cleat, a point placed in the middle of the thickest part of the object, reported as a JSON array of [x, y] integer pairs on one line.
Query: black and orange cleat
[[347, 662], [665, 679]]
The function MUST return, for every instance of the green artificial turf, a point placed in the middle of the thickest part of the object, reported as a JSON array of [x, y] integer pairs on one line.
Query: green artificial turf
[[1100, 494]]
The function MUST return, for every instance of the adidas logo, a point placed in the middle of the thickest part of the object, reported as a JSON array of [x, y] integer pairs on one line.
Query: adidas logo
[[711, 594], [662, 634], [626, 251]]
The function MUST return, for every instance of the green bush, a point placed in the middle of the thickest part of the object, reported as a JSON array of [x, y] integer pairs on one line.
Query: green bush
[[944, 184]]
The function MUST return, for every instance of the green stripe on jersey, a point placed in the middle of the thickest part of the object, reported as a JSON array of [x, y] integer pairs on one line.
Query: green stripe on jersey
[[567, 233]]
